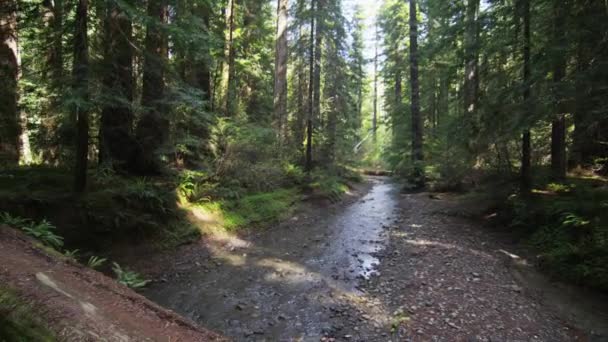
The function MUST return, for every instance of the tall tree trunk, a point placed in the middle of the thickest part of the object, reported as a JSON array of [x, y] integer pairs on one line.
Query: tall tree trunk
[[9, 74], [301, 114], [53, 18], [558, 131], [397, 110], [280, 70], [116, 145], [203, 65], [153, 127], [318, 39], [375, 117], [470, 89], [443, 107], [229, 100], [582, 137], [80, 89], [54, 72], [526, 174], [311, 87], [417, 127]]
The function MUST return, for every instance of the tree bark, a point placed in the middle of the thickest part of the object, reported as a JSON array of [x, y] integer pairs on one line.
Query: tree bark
[[470, 89], [280, 71], [229, 101], [53, 18], [397, 110], [318, 38], [153, 127], [80, 90], [9, 74], [375, 117], [417, 127], [311, 87], [558, 125], [526, 174], [116, 143]]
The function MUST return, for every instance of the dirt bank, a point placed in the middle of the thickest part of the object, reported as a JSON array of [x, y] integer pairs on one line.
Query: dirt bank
[[52, 298]]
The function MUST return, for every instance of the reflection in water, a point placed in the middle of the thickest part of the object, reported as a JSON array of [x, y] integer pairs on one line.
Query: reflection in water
[[359, 234]]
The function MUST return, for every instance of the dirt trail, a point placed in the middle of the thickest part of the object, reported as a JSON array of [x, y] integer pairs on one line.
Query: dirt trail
[[78, 304], [384, 267]]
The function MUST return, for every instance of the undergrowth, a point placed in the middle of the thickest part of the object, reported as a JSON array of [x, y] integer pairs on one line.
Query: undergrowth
[[567, 224]]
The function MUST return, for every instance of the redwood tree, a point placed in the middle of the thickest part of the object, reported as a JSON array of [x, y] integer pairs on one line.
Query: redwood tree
[[417, 126]]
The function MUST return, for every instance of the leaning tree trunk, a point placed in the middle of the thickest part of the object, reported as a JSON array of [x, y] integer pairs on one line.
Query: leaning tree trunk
[[417, 129], [80, 89], [526, 174], [558, 126], [153, 127], [116, 144], [9, 74], [280, 71], [311, 87]]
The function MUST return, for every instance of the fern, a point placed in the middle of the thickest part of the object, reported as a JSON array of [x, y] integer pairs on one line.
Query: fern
[[129, 278], [95, 262], [43, 231]]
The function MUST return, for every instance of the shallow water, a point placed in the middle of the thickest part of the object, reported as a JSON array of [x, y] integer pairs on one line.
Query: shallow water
[[281, 284]]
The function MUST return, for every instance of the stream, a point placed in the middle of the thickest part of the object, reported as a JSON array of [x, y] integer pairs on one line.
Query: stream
[[282, 283]]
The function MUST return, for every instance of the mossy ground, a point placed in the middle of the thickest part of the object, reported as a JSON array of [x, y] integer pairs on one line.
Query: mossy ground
[[252, 209]]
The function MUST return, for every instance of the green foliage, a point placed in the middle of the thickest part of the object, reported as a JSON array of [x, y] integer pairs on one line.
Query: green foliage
[[569, 230], [95, 262], [73, 254], [191, 185], [143, 193], [128, 278], [14, 221], [43, 231], [177, 233], [328, 186]]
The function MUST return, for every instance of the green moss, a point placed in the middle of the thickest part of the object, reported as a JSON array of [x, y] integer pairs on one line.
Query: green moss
[[18, 322], [252, 209]]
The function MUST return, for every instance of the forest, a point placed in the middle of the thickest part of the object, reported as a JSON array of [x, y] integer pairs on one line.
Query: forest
[[135, 129]]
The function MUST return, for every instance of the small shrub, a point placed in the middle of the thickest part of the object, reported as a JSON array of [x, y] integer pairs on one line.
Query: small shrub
[[43, 231], [294, 174], [145, 195], [14, 221], [95, 262], [192, 185], [73, 254], [129, 278]]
